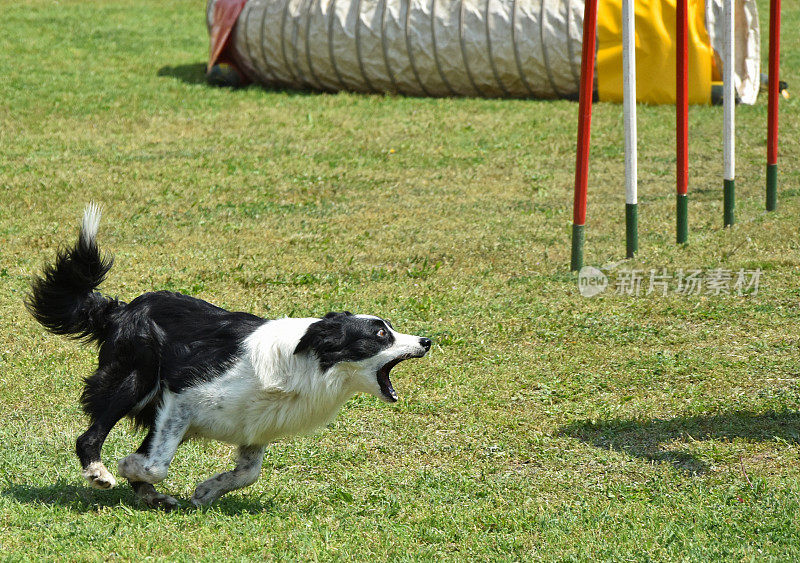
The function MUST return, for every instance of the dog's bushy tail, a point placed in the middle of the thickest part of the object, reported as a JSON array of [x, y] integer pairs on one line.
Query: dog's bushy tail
[[63, 297]]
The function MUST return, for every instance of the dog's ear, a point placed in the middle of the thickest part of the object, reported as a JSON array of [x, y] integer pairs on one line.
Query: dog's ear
[[321, 336], [326, 338], [307, 341], [334, 314]]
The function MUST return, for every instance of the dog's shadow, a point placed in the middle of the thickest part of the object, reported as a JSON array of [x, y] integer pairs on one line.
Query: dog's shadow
[[647, 439], [82, 499]]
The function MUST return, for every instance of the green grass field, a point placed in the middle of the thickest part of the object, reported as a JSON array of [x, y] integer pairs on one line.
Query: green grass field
[[543, 425]]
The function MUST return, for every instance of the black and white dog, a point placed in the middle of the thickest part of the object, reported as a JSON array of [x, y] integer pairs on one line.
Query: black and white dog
[[181, 367]]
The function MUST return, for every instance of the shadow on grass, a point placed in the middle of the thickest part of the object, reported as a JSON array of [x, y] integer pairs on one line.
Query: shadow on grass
[[85, 499], [194, 73], [647, 439]]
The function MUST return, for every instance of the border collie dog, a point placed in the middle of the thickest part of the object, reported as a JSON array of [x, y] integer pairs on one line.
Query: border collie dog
[[181, 367]]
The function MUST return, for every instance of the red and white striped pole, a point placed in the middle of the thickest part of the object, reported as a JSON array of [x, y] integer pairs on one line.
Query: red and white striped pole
[[682, 125], [772, 114], [584, 133]]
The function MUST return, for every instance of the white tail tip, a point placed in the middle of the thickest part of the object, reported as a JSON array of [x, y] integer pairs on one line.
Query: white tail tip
[[91, 223]]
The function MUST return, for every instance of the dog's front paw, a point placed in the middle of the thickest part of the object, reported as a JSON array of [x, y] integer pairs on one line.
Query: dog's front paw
[[135, 467], [206, 493], [98, 476]]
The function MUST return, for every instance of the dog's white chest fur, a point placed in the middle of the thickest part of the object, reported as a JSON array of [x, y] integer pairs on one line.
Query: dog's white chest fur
[[269, 392]]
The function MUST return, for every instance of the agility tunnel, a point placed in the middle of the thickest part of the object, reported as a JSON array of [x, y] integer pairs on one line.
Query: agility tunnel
[[483, 48]]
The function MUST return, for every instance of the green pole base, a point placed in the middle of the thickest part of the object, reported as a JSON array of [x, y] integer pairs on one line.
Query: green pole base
[[682, 223], [729, 199], [772, 187], [577, 247], [631, 229]]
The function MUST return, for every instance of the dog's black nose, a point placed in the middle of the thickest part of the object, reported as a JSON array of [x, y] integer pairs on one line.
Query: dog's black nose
[[425, 343]]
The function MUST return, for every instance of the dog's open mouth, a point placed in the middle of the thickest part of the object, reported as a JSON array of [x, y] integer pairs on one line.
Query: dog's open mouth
[[385, 383]]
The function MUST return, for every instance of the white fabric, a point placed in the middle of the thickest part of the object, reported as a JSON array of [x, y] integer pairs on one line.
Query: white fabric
[[747, 44], [489, 48]]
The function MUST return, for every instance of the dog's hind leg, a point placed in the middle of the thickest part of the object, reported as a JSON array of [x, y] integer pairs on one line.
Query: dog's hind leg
[[105, 409], [171, 424], [88, 448], [246, 472], [148, 494], [145, 491]]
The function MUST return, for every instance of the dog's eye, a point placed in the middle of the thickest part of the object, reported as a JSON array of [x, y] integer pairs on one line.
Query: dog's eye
[[382, 333]]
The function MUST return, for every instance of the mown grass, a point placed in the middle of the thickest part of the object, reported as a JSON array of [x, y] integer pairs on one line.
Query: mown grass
[[543, 426]]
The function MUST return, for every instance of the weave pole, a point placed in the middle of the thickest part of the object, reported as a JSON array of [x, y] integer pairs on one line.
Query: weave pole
[[729, 100], [772, 112], [682, 122], [584, 133], [629, 103]]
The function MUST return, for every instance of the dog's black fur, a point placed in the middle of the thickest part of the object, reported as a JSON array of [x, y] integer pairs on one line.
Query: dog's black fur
[[159, 339]]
